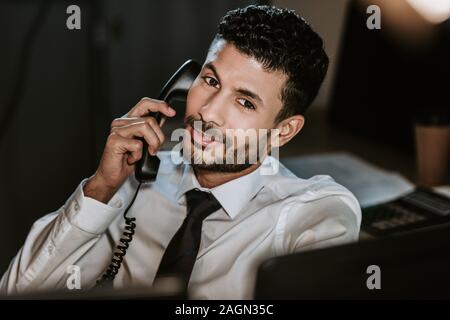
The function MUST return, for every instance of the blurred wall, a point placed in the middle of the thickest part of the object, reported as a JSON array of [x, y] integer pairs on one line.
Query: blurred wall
[[47, 148]]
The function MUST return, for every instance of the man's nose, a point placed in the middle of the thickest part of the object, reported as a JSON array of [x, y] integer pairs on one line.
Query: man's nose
[[214, 110]]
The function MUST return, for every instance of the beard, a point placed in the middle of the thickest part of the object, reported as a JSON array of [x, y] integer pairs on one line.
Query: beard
[[227, 157]]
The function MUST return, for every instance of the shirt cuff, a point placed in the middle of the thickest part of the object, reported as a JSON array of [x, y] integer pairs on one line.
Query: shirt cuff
[[89, 214]]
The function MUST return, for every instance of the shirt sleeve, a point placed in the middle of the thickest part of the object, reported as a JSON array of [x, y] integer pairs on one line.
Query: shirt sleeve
[[330, 221], [58, 239]]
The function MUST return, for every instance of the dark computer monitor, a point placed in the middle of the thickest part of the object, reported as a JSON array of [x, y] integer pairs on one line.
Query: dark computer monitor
[[412, 266]]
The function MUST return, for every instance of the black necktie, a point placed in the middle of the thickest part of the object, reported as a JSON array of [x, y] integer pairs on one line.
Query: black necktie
[[181, 253]]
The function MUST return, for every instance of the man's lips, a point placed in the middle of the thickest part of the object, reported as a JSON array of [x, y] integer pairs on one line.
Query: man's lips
[[202, 138]]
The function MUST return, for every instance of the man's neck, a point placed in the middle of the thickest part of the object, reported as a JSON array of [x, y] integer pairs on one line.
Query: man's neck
[[210, 179]]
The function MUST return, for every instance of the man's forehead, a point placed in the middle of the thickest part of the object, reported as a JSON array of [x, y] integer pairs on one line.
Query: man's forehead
[[223, 53]]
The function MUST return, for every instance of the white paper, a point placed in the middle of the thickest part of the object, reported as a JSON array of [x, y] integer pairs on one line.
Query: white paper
[[444, 190], [370, 185]]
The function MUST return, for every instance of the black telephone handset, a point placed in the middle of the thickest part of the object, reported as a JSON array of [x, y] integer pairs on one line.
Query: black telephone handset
[[176, 88], [147, 168]]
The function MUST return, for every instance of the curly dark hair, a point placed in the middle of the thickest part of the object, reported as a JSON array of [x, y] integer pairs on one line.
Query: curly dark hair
[[281, 41]]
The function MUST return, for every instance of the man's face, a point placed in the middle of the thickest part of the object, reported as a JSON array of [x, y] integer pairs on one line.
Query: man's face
[[233, 91]]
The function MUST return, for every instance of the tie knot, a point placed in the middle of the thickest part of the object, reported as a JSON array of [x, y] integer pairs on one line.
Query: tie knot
[[201, 204]]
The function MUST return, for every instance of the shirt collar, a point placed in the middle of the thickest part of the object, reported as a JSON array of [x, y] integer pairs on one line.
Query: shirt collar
[[233, 195]]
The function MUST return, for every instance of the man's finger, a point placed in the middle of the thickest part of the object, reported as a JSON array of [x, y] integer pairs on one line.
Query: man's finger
[[148, 105], [121, 122], [122, 145], [140, 129]]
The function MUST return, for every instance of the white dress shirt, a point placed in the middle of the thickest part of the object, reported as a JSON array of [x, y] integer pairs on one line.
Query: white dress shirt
[[262, 216]]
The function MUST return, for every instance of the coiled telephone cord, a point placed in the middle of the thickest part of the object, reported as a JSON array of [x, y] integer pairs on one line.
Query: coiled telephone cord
[[121, 249]]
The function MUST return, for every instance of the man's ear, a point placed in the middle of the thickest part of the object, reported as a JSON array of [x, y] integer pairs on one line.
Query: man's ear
[[288, 128]]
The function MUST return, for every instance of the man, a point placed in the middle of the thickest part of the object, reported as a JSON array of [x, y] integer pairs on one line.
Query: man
[[263, 69]]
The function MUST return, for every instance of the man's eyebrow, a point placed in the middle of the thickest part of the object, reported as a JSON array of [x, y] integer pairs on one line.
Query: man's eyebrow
[[250, 94], [243, 91], [210, 66]]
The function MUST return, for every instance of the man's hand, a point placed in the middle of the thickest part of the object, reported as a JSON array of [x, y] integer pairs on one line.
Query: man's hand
[[123, 148]]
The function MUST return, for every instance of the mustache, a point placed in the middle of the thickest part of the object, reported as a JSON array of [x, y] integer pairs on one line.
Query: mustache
[[189, 120], [205, 126]]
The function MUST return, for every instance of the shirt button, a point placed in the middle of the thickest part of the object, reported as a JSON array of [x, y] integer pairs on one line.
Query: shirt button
[[76, 206]]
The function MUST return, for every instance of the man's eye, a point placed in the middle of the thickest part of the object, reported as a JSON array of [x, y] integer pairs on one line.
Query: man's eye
[[246, 104], [211, 81]]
